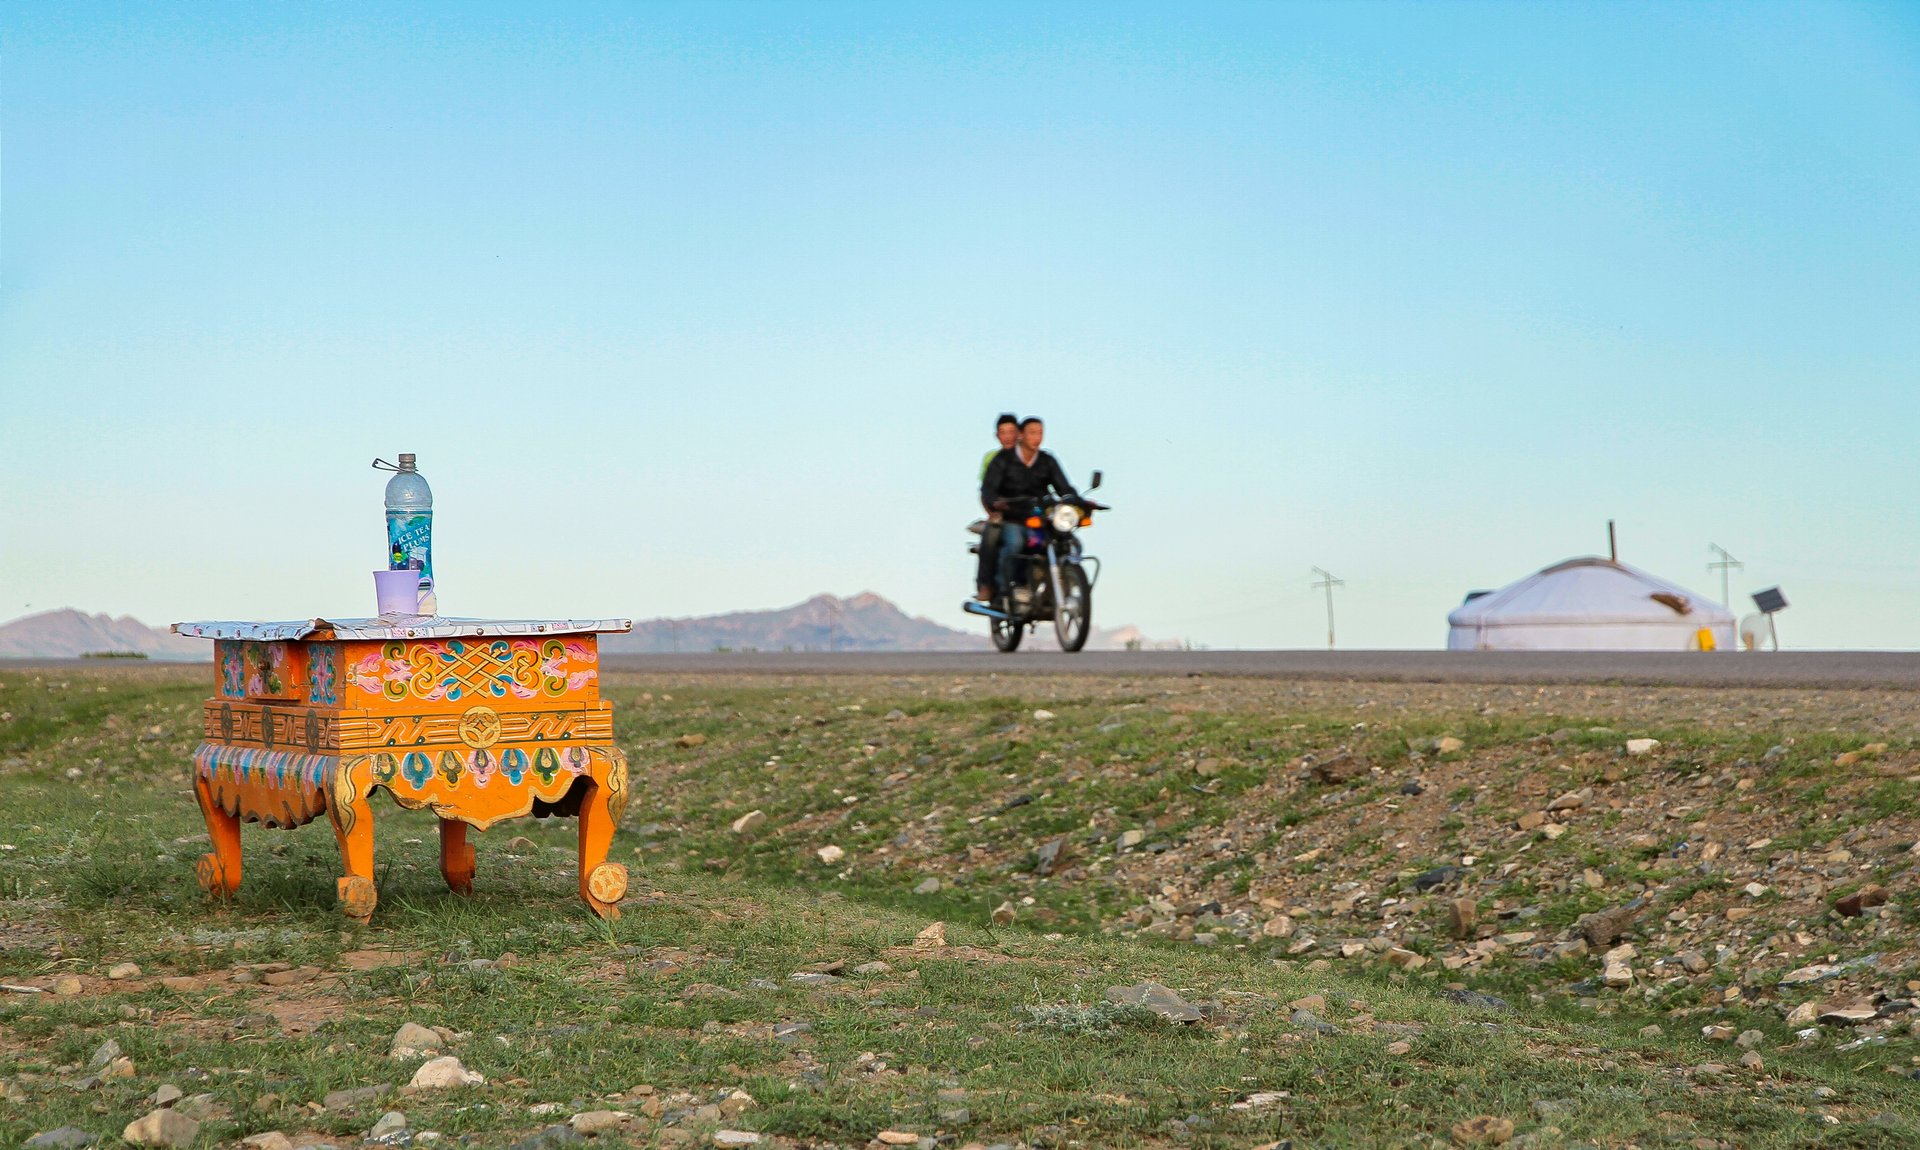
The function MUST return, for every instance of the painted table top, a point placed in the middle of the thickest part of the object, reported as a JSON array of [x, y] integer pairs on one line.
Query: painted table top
[[396, 627]]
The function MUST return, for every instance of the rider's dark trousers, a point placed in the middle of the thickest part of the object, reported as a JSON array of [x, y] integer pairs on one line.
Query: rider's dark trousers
[[989, 555], [1013, 542]]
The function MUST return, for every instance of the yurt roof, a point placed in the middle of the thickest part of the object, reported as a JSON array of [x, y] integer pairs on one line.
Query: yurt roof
[[1590, 590]]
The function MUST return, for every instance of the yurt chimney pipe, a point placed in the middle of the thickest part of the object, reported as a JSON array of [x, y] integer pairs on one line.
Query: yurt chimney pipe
[[1613, 549]]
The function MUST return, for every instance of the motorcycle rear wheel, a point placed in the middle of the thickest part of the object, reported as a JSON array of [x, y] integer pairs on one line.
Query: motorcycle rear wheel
[[1073, 612]]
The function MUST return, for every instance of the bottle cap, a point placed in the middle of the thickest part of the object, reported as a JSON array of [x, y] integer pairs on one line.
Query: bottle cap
[[406, 461]]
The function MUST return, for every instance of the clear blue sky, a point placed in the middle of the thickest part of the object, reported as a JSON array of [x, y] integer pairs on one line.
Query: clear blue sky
[[694, 308]]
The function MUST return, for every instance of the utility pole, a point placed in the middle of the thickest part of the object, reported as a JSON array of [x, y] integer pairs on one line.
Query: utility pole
[[1328, 582], [1724, 564]]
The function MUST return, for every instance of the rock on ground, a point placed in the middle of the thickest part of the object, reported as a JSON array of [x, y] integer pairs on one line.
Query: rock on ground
[[1159, 999], [413, 1040], [61, 1138], [596, 1122], [442, 1072], [162, 1128]]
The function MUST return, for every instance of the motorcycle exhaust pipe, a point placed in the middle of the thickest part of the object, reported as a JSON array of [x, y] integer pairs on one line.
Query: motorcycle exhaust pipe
[[976, 607]]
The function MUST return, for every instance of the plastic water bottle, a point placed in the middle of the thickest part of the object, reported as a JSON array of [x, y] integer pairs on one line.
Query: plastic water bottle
[[410, 528]]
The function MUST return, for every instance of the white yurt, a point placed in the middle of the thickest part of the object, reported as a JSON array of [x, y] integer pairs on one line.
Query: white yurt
[[1589, 604]]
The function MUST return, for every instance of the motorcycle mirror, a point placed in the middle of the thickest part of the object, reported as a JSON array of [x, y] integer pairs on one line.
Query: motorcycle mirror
[[1095, 483]]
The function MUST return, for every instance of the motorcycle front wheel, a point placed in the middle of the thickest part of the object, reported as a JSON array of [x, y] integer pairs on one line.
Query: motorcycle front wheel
[[1007, 634], [1073, 614]]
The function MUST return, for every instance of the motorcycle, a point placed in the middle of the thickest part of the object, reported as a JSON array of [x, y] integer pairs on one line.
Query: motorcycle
[[1050, 583]]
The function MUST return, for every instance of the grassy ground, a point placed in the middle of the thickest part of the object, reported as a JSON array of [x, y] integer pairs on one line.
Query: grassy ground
[[998, 1036]]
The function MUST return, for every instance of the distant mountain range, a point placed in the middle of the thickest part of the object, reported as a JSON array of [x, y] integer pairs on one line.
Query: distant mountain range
[[70, 634], [864, 622]]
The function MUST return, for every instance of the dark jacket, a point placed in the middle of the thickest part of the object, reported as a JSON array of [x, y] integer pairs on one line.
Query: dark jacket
[[1024, 487]]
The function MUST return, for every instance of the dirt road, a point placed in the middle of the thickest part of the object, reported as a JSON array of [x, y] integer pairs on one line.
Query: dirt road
[[1887, 669]]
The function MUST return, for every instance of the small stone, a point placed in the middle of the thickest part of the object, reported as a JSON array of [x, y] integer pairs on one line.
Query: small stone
[[1803, 1015], [68, 985], [521, 845], [1553, 830], [1004, 913], [594, 1123], [750, 822], [1859, 901], [1850, 1014], [1616, 970], [548, 1139], [1130, 839], [1399, 1048], [1751, 1060], [106, 1052], [1709, 1071], [894, 715], [1651, 1031], [1750, 1039], [904, 1137], [1463, 915], [933, 937], [121, 1067], [1485, 1130], [167, 1095], [121, 971], [1532, 820], [1637, 747], [830, 854], [1692, 961], [927, 886], [874, 967], [267, 1140], [1447, 744], [1308, 1020], [61, 1138], [691, 741], [348, 1099], [1405, 959], [444, 1072], [413, 1040], [162, 1128], [1572, 800], [391, 1127], [1717, 1032], [726, 1138], [1157, 998], [294, 977], [694, 991], [1041, 716], [1279, 926], [183, 984]]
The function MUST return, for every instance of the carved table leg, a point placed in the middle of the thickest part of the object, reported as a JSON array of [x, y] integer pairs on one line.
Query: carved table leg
[[603, 884], [219, 872], [352, 816], [456, 856]]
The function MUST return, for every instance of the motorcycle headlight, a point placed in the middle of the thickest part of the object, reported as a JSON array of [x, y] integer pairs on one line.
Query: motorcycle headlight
[[1066, 517]]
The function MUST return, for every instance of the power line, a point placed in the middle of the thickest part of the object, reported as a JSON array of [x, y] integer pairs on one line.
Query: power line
[[1329, 583], [1725, 563]]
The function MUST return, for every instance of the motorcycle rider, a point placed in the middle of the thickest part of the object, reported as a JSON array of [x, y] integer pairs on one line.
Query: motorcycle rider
[[1006, 429], [1022, 477]]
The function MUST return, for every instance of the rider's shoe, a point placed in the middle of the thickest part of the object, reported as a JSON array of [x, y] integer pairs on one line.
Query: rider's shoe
[[984, 594]]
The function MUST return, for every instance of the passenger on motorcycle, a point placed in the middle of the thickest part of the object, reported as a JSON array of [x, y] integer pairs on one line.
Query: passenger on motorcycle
[[1006, 430], [1018, 481]]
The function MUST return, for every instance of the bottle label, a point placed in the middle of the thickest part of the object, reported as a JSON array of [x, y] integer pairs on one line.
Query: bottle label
[[410, 544]]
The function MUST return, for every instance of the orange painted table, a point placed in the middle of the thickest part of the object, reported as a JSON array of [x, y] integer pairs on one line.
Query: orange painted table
[[476, 720]]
